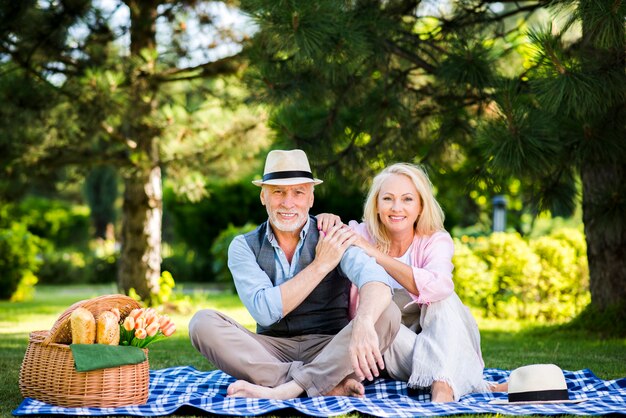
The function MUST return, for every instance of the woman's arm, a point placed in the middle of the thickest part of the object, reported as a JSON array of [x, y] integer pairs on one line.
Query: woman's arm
[[432, 269], [429, 278], [402, 273]]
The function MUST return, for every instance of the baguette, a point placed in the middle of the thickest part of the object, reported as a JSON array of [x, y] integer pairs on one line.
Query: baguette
[[83, 326], [107, 329]]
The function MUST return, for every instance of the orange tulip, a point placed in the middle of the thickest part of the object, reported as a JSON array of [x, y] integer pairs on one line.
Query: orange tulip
[[164, 321], [152, 329], [169, 330], [140, 323], [129, 323], [140, 333], [136, 313], [151, 317]]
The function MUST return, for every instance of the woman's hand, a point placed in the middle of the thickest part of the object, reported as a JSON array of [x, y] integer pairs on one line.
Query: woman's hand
[[325, 221], [369, 248]]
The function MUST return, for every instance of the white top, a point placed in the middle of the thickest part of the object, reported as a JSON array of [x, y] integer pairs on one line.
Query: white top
[[406, 259]]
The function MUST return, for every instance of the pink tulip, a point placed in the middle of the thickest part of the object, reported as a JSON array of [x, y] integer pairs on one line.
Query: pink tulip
[[136, 313], [164, 321], [152, 329], [129, 323], [169, 330], [140, 333], [140, 323], [151, 317]]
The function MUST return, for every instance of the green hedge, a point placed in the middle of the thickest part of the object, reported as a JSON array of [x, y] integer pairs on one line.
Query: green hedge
[[219, 252], [545, 278], [62, 223], [18, 260]]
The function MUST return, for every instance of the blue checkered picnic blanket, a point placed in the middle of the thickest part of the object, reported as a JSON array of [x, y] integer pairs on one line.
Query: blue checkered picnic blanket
[[173, 388]]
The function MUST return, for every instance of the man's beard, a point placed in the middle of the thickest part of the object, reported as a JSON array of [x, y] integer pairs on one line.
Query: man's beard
[[287, 226]]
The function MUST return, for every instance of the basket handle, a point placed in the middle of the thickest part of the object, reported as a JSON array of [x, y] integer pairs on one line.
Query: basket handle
[[61, 331]]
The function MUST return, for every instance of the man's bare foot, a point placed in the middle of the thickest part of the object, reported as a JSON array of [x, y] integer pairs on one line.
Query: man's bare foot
[[347, 387], [500, 387], [440, 391], [243, 389]]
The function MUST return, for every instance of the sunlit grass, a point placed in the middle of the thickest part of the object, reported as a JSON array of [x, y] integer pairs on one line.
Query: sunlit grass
[[505, 344]]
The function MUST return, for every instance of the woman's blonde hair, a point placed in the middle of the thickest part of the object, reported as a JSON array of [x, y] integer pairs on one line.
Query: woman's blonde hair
[[429, 221]]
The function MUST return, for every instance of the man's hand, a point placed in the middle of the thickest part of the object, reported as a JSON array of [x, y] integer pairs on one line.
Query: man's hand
[[364, 349], [333, 244], [365, 356], [330, 248]]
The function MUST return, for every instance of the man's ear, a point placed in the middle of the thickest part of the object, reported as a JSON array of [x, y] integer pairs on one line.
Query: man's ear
[[312, 199], [262, 197]]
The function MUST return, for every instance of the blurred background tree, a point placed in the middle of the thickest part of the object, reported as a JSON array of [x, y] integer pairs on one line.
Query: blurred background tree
[[361, 84], [562, 122], [106, 101], [118, 84]]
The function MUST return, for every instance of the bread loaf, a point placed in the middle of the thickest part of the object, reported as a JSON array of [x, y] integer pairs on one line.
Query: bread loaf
[[107, 329], [83, 326]]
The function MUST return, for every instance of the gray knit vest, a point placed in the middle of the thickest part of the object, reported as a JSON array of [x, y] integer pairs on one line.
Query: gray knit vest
[[325, 310]]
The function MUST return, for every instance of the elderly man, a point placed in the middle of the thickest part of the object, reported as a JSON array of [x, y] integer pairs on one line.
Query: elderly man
[[295, 282]]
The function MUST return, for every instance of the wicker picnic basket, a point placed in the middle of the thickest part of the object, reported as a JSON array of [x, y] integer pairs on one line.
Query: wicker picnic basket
[[48, 373]]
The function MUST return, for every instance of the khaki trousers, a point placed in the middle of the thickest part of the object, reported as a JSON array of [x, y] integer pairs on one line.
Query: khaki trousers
[[317, 363]]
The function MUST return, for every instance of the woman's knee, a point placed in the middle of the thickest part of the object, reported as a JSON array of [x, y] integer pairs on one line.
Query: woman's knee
[[391, 317], [388, 323]]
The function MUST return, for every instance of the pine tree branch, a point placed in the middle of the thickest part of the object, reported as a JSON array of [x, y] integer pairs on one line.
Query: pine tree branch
[[224, 66], [530, 9], [416, 43], [409, 56], [29, 69], [478, 18], [203, 153], [117, 135], [62, 157], [402, 8]]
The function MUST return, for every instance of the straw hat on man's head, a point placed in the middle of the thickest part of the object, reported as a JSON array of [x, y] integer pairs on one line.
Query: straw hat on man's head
[[286, 168]]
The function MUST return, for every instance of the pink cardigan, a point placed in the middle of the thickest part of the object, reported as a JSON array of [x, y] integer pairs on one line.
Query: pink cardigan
[[431, 259]]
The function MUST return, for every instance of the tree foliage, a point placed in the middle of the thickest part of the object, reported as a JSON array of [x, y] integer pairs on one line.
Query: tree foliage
[[117, 84], [573, 96], [478, 91], [366, 83]]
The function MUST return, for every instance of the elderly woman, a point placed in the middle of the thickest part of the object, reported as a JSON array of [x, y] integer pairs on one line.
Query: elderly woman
[[438, 345]]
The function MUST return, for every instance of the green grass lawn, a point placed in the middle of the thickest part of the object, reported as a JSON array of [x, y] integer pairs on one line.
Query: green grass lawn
[[505, 344]]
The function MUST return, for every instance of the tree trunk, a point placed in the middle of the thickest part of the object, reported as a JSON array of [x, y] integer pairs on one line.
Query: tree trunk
[[140, 258], [606, 235], [603, 181]]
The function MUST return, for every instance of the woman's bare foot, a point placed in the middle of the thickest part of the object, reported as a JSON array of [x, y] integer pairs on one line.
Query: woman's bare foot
[[500, 387], [440, 391], [243, 389], [347, 387]]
